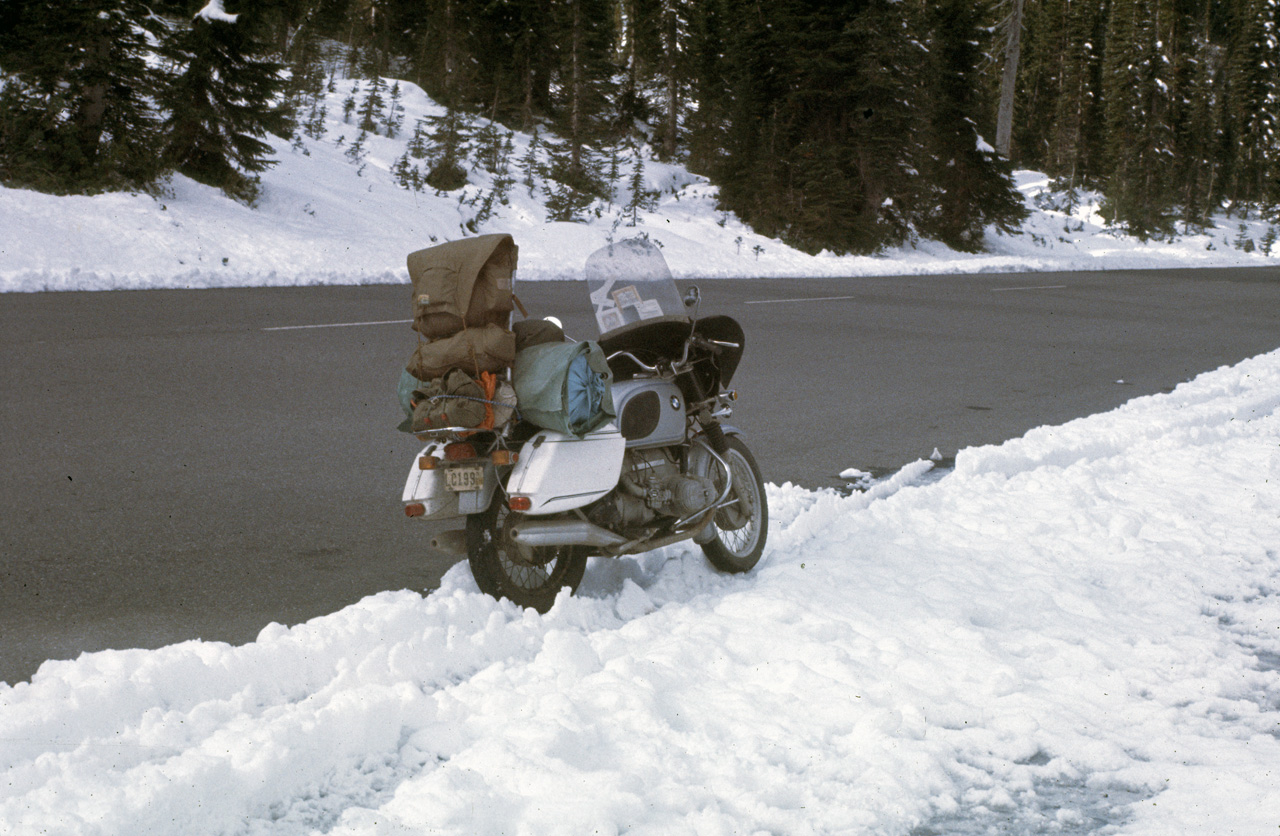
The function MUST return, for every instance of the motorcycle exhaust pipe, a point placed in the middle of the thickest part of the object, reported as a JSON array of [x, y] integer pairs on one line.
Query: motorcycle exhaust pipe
[[453, 541], [537, 533]]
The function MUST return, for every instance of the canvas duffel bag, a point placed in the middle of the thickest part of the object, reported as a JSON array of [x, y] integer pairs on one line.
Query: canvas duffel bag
[[488, 349], [462, 284]]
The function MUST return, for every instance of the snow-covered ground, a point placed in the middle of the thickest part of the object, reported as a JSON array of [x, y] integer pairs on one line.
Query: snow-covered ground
[[327, 217], [1075, 631]]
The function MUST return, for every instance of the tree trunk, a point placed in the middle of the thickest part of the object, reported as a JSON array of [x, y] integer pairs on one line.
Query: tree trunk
[[575, 104], [672, 27], [1009, 80]]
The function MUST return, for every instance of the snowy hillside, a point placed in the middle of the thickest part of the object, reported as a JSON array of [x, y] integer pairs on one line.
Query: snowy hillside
[[1072, 632], [333, 215]]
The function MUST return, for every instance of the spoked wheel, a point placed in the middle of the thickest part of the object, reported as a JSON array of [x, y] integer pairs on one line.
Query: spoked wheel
[[740, 526], [528, 577]]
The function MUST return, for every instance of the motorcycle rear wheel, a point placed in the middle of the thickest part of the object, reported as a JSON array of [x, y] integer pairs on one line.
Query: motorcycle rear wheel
[[528, 577], [740, 528]]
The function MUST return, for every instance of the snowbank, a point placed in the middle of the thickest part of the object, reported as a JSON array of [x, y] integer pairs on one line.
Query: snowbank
[[1075, 628], [328, 217]]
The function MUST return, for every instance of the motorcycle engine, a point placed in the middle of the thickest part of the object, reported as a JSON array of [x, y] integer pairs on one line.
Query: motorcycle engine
[[652, 486]]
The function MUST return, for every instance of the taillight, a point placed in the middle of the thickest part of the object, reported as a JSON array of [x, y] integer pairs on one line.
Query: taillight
[[427, 462], [520, 503], [502, 458], [415, 509], [458, 451]]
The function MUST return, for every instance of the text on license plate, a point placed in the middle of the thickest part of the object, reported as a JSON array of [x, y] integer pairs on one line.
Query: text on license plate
[[464, 478]]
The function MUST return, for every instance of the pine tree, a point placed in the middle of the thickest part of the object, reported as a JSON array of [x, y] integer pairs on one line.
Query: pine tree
[[75, 110], [357, 153], [971, 187], [1254, 110], [823, 142], [529, 163], [1069, 123], [640, 45], [395, 112], [443, 31], [576, 175], [640, 199], [585, 72], [370, 112], [754, 171], [221, 103], [888, 131], [675, 37], [707, 124], [1200, 129], [449, 137], [418, 144], [1139, 105]]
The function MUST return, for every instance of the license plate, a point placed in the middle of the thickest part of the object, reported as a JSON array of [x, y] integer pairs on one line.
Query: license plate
[[464, 477]]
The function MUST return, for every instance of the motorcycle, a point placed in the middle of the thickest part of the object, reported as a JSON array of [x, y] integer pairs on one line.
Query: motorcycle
[[669, 468]]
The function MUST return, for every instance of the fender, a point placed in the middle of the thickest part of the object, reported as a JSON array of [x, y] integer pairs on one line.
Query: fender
[[700, 459], [701, 463], [428, 487]]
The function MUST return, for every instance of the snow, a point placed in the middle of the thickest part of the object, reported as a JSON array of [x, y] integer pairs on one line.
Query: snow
[[324, 220], [1074, 631], [214, 11], [1077, 627]]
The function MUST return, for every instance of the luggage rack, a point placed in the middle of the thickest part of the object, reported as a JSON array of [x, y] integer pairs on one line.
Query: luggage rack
[[443, 433]]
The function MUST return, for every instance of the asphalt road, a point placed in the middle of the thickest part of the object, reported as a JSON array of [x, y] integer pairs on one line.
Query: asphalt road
[[183, 464]]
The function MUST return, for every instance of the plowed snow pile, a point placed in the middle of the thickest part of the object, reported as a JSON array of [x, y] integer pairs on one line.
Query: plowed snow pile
[[1073, 631]]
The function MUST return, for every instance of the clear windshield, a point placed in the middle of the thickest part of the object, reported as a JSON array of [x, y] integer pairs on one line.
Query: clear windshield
[[630, 284]]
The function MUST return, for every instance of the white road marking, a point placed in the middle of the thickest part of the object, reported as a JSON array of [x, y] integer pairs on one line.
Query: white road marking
[[801, 299], [1039, 287], [338, 325]]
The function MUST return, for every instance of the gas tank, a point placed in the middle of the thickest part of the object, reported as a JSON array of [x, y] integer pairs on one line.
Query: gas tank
[[651, 412]]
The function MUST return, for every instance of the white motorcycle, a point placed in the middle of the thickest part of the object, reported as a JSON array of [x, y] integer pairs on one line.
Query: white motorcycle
[[539, 502]]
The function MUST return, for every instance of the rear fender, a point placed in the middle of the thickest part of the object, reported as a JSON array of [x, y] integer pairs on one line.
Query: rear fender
[[428, 487]]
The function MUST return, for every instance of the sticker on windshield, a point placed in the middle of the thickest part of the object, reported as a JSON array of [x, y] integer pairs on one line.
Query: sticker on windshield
[[609, 319], [627, 297], [649, 309]]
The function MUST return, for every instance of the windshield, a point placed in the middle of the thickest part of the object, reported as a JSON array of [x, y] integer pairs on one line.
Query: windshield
[[630, 285]]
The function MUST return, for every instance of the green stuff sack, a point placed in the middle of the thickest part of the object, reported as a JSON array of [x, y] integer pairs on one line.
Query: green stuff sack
[[564, 386], [404, 392]]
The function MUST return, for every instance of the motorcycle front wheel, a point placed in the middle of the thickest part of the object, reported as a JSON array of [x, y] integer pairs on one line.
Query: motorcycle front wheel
[[528, 577], [739, 527]]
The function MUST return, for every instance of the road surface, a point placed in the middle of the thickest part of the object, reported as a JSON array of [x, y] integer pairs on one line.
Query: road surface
[[183, 464]]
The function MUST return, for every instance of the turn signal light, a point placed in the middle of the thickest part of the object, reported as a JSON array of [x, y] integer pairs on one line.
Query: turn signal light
[[427, 462], [520, 503], [502, 458], [415, 509], [458, 451]]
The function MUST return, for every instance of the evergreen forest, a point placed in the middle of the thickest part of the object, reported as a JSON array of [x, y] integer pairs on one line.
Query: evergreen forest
[[841, 125]]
